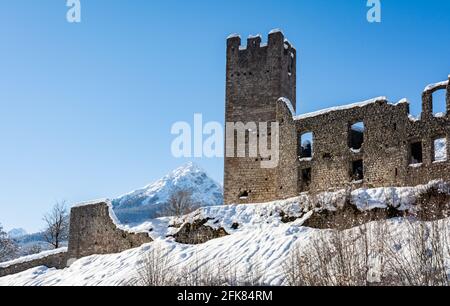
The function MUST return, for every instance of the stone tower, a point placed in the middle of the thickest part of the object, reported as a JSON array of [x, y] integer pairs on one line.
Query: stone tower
[[257, 76]]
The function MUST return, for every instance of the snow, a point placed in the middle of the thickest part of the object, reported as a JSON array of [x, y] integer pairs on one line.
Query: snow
[[234, 35], [402, 101], [355, 151], [432, 87], [273, 31], [439, 115], [111, 213], [261, 241], [288, 104], [143, 204], [440, 150], [306, 159], [288, 43], [417, 165], [255, 36], [17, 233], [92, 202], [339, 108], [401, 198], [32, 257], [413, 119]]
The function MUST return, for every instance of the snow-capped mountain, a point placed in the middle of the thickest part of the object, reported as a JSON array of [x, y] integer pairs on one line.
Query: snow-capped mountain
[[17, 233], [145, 203]]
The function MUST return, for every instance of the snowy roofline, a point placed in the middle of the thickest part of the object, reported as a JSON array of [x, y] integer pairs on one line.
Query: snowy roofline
[[344, 107], [288, 104], [288, 42], [276, 30], [93, 202], [255, 36], [32, 257], [234, 35], [435, 85]]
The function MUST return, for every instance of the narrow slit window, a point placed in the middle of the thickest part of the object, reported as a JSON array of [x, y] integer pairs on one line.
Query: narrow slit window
[[440, 150], [357, 170], [306, 145], [416, 153], [356, 135], [306, 177]]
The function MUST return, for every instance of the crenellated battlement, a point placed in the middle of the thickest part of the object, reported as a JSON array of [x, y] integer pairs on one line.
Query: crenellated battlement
[[257, 51]]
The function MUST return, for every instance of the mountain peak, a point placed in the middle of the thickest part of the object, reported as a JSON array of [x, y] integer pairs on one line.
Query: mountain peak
[[188, 167], [144, 203], [17, 233]]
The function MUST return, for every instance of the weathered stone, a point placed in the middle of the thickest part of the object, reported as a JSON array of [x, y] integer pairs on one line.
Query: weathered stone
[[197, 233], [92, 231], [57, 261], [257, 76]]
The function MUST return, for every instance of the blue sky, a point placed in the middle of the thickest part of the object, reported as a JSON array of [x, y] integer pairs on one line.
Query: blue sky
[[86, 109]]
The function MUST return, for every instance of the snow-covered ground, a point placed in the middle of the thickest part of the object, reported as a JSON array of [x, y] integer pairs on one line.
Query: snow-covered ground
[[261, 241]]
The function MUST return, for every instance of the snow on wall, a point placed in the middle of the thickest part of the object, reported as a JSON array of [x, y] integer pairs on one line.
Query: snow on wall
[[432, 87], [255, 36], [234, 35], [288, 104], [401, 198], [112, 215], [273, 31], [32, 257], [339, 108]]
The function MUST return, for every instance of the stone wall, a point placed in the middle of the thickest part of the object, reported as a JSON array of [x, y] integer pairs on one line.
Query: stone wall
[[56, 260], [386, 150], [286, 172], [257, 76], [94, 230]]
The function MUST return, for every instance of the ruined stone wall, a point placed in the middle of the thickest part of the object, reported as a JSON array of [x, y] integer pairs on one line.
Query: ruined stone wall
[[94, 231], [57, 261], [386, 151], [256, 77], [286, 171], [382, 152]]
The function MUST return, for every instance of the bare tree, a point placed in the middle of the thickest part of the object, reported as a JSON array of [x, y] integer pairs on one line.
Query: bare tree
[[419, 259], [34, 249], [153, 269], [180, 203], [339, 258], [8, 248], [57, 225]]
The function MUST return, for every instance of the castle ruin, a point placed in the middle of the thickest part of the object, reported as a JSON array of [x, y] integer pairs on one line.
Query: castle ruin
[[367, 144]]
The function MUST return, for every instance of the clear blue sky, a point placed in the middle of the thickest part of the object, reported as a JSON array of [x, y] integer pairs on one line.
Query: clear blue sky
[[86, 109]]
